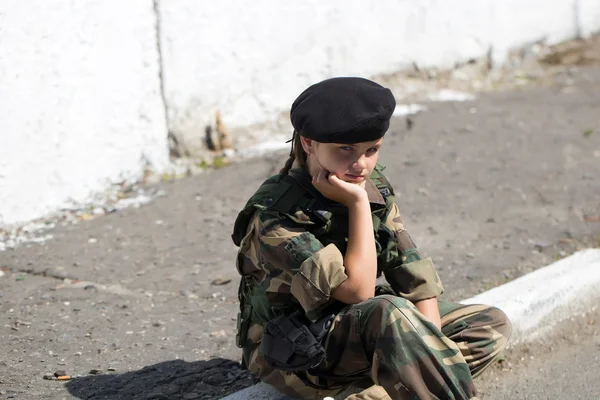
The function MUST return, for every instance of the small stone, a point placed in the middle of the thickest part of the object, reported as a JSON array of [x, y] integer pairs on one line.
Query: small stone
[[78, 353], [98, 211], [60, 372], [540, 246], [1, 273], [59, 274], [470, 255], [219, 334], [96, 371], [49, 377], [220, 281], [110, 369], [92, 240], [157, 396], [188, 294], [214, 380]]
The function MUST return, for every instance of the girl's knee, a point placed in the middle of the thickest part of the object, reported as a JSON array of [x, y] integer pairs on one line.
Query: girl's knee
[[500, 321], [387, 301], [386, 310]]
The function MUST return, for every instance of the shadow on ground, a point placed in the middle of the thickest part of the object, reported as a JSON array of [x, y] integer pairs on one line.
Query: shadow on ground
[[176, 379]]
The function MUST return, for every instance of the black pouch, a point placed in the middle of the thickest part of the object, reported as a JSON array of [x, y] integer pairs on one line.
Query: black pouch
[[289, 343]]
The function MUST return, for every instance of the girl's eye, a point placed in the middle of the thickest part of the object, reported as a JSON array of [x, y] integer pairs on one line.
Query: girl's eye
[[346, 148], [372, 150]]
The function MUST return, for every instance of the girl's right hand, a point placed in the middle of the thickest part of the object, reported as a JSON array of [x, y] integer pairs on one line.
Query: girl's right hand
[[338, 190]]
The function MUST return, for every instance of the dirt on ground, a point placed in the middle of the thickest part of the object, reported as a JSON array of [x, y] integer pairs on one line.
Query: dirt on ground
[[141, 303], [563, 365]]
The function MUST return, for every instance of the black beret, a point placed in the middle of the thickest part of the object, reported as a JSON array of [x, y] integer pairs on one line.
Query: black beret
[[343, 110]]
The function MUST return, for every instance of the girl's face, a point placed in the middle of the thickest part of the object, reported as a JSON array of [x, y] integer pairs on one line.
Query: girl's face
[[352, 163]]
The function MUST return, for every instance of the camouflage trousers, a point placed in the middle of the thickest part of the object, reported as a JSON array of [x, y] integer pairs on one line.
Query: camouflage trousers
[[388, 347]]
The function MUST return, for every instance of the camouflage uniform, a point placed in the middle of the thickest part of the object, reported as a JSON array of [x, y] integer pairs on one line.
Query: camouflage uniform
[[293, 259]]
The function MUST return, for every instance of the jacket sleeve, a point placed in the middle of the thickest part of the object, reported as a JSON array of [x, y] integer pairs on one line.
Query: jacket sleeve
[[296, 262], [412, 277]]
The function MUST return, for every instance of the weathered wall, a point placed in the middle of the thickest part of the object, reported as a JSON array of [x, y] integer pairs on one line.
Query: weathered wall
[[250, 58], [80, 102], [80, 87]]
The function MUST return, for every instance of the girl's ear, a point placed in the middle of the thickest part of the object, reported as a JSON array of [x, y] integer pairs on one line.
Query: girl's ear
[[307, 145]]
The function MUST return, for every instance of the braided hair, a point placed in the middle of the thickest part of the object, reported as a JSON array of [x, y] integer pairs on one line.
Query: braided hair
[[297, 153]]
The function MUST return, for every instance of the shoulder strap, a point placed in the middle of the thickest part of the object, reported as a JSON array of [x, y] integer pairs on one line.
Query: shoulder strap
[[293, 193], [381, 181], [259, 200], [386, 190], [280, 193]]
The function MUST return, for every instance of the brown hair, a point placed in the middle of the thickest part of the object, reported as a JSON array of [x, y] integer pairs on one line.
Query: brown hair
[[297, 153]]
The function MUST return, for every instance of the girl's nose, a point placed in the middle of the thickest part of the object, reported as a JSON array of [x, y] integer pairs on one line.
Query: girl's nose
[[361, 162]]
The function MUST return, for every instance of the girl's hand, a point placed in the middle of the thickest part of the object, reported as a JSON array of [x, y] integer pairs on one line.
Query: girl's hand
[[336, 189]]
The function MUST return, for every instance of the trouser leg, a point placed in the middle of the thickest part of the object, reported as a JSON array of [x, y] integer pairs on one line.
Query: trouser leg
[[402, 351], [389, 341], [481, 332]]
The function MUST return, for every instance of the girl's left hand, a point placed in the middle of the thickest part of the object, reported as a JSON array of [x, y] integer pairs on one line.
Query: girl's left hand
[[336, 189]]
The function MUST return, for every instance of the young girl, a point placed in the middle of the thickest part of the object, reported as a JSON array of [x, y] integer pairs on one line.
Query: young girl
[[314, 239]]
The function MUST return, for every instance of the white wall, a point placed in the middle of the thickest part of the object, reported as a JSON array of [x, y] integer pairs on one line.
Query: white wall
[[251, 58], [80, 101]]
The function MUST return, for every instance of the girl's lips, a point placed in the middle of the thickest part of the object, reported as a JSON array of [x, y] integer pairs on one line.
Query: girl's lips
[[355, 177]]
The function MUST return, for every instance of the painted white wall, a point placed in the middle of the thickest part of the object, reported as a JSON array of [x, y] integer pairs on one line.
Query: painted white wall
[[588, 16], [80, 102], [251, 58]]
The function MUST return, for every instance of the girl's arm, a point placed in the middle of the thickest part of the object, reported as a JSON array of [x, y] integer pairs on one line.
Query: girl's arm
[[429, 308], [360, 260], [415, 278]]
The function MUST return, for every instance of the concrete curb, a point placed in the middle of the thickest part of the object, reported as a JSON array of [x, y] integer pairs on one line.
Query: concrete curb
[[539, 300], [534, 303]]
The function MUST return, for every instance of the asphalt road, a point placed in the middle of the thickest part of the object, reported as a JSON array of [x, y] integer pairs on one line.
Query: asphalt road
[[565, 365], [490, 189]]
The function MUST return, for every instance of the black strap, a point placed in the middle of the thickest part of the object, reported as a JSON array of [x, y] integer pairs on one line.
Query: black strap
[[295, 193]]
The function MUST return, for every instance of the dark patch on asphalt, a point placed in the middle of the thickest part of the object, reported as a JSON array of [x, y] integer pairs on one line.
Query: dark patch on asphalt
[[176, 379]]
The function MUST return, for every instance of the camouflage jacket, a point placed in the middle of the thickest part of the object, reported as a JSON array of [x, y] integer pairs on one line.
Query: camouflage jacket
[[292, 242]]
